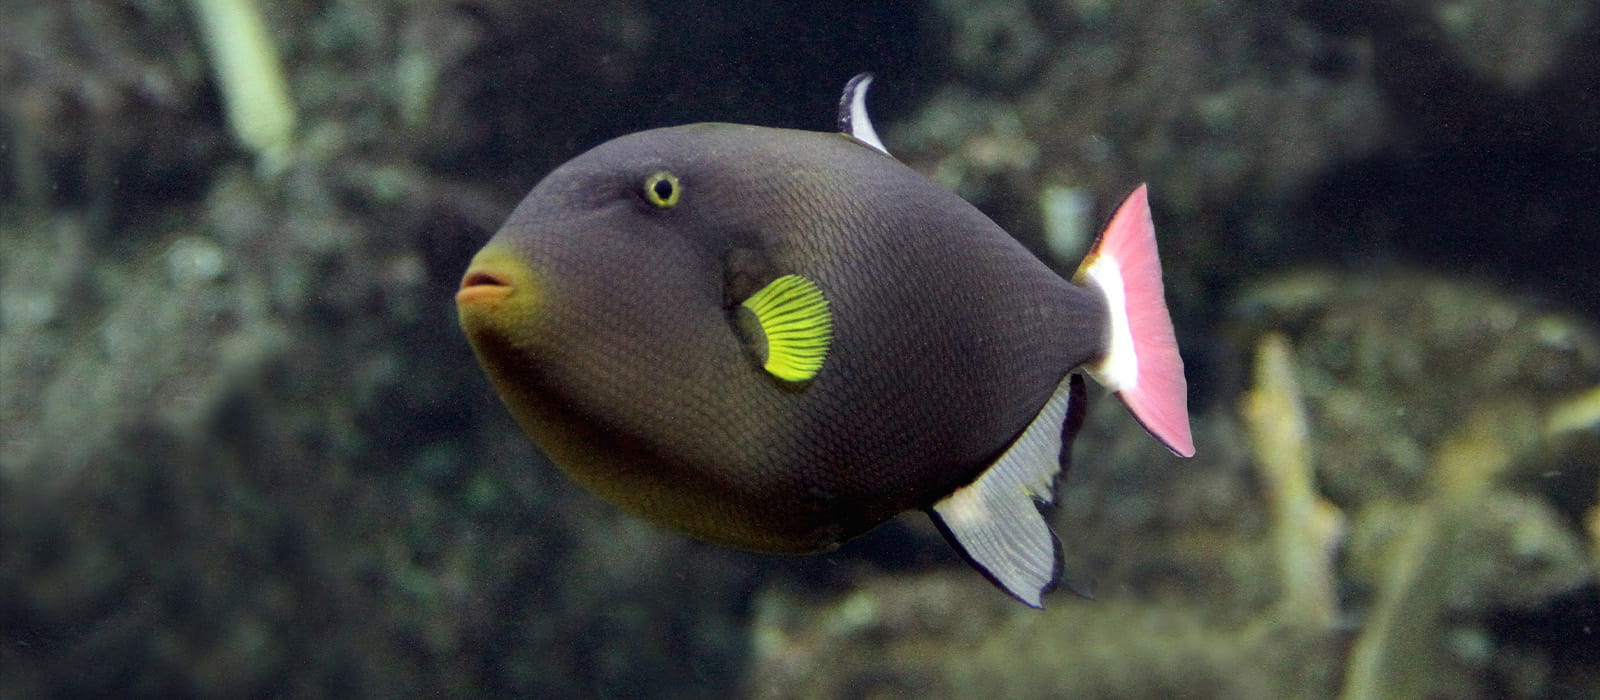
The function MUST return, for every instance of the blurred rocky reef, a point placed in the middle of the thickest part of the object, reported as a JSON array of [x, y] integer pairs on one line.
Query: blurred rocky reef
[[244, 450]]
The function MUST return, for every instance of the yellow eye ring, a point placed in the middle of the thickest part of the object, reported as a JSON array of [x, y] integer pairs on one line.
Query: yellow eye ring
[[661, 189]]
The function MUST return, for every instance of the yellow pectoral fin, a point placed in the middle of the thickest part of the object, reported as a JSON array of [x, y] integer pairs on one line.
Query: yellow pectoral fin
[[795, 327]]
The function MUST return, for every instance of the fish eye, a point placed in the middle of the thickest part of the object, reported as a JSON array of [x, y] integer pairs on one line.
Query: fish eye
[[661, 189]]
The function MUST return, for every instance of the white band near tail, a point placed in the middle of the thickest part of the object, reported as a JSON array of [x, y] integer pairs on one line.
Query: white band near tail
[[1119, 368]]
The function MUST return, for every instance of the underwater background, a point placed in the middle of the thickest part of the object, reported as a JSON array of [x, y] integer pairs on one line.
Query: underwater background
[[245, 450]]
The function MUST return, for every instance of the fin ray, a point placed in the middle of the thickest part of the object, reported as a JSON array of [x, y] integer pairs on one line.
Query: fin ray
[[792, 315]]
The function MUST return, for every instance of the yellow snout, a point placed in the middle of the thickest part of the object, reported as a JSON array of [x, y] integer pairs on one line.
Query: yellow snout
[[497, 294]]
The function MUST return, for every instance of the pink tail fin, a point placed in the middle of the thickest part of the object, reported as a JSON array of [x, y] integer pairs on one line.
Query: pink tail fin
[[1141, 364]]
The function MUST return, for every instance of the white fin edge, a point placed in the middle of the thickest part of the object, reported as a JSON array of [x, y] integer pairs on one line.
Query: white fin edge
[[853, 119], [995, 521]]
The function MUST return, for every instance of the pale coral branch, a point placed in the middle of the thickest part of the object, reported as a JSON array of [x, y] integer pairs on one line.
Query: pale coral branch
[[1305, 527], [250, 78]]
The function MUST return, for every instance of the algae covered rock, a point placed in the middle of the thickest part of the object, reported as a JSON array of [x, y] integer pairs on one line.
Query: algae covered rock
[[939, 636], [1431, 404], [1391, 363]]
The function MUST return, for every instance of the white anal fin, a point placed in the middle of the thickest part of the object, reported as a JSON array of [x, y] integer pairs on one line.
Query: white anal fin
[[995, 521], [853, 119]]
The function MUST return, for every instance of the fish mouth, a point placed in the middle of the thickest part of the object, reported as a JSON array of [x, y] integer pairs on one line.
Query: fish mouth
[[484, 285], [499, 307], [494, 276], [500, 297]]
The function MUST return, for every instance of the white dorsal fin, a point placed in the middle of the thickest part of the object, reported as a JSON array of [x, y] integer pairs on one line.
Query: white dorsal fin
[[853, 119], [995, 521]]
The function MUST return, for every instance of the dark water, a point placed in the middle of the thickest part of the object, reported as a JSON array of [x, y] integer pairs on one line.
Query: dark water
[[245, 451]]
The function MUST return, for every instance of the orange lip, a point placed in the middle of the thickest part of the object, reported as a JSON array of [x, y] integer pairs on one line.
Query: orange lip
[[483, 285]]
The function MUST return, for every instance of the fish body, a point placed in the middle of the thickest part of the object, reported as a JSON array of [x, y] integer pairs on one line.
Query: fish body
[[777, 340]]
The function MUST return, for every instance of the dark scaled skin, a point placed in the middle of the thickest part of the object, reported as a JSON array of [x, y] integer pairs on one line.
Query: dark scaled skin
[[608, 326]]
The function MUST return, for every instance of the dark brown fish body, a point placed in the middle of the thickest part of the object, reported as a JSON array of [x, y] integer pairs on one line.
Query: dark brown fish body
[[779, 339], [960, 335]]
